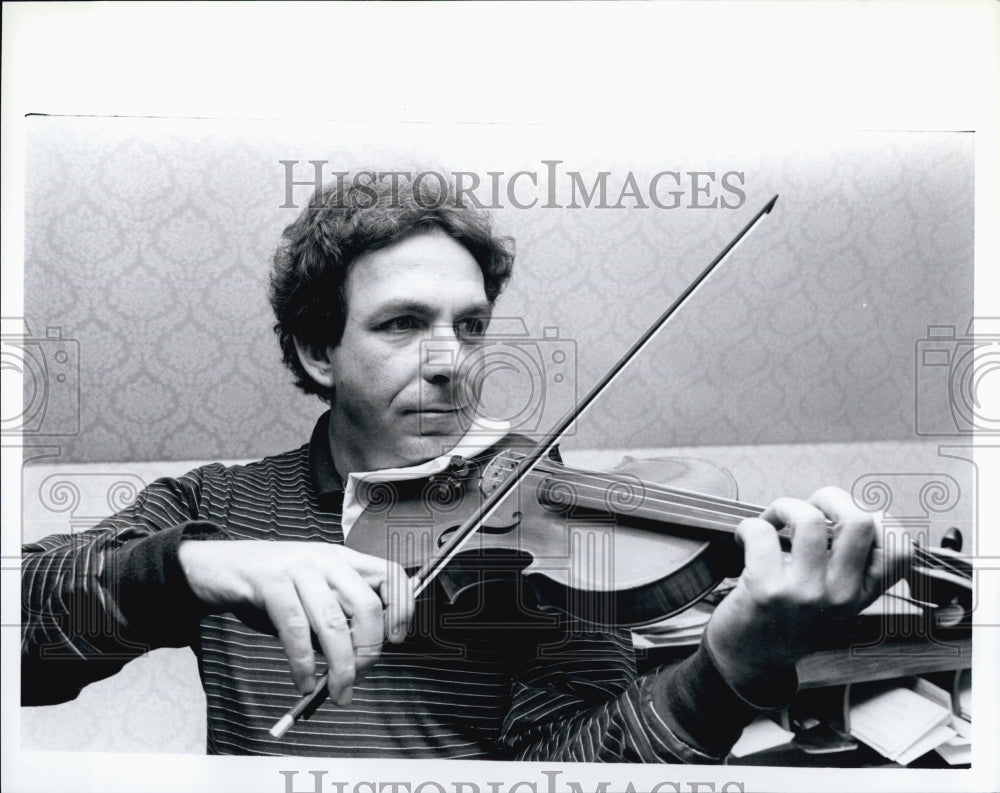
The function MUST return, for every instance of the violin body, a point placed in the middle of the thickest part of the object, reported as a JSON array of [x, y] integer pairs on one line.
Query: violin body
[[587, 543]]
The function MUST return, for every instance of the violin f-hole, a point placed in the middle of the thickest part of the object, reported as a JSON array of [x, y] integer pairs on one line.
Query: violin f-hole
[[487, 528]]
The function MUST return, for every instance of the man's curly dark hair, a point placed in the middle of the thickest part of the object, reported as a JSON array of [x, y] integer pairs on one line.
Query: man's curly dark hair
[[348, 218]]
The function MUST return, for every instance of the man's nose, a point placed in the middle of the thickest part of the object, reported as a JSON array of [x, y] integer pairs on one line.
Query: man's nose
[[440, 357]]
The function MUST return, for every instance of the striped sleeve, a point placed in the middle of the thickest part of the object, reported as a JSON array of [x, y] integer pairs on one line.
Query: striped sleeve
[[582, 702], [93, 601]]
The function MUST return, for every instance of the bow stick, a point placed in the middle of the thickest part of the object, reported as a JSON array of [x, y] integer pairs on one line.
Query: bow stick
[[307, 705]]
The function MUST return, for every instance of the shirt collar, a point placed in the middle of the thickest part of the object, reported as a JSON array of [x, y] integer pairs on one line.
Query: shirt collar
[[324, 474], [328, 482], [484, 435]]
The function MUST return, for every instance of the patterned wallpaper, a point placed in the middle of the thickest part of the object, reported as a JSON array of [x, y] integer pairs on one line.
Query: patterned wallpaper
[[148, 244]]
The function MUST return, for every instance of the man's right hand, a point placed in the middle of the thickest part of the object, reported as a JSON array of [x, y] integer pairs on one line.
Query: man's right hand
[[352, 602]]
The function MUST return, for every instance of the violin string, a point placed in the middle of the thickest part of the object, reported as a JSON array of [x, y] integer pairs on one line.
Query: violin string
[[736, 507], [683, 504], [742, 510], [738, 510], [725, 513], [734, 510], [940, 562]]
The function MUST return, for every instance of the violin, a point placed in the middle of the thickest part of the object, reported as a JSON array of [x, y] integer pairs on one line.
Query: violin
[[627, 547], [622, 548]]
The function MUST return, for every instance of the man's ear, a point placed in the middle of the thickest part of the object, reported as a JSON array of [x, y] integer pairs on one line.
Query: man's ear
[[316, 362]]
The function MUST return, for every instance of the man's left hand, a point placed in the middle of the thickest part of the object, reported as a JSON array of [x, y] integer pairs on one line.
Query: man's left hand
[[783, 603]]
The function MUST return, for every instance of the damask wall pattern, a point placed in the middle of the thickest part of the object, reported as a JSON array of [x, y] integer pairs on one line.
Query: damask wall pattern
[[148, 242]]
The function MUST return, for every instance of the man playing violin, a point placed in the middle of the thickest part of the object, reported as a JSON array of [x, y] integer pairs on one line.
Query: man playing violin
[[248, 565]]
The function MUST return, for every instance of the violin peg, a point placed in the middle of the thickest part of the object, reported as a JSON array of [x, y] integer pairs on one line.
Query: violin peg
[[458, 465], [952, 539]]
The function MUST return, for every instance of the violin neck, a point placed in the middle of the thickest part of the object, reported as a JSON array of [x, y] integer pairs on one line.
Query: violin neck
[[674, 511], [628, 498]]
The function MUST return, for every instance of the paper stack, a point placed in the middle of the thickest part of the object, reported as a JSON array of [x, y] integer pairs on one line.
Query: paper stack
[[760, 735], [965, 695], [956, 750], [901, 724]]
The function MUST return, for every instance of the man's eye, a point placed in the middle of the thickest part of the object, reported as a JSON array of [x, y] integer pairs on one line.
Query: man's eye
[[399, 324], [473, 327]]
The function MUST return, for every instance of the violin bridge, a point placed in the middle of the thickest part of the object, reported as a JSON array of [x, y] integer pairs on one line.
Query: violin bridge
[[497, 471]]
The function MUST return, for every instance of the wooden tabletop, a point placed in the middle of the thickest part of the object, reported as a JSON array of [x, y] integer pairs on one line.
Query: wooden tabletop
[[883, 661]]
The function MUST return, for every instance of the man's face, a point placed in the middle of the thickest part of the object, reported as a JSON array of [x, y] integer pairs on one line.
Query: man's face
[[390, 408]]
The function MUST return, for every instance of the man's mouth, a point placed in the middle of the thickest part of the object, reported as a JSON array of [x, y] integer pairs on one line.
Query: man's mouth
[[435, 420], [435, 410]]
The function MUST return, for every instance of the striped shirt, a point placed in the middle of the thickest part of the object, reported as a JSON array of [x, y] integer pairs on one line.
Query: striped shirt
[[472, 684]]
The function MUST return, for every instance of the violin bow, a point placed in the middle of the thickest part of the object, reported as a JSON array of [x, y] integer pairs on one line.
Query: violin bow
[[525, 465], [423, 577]]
